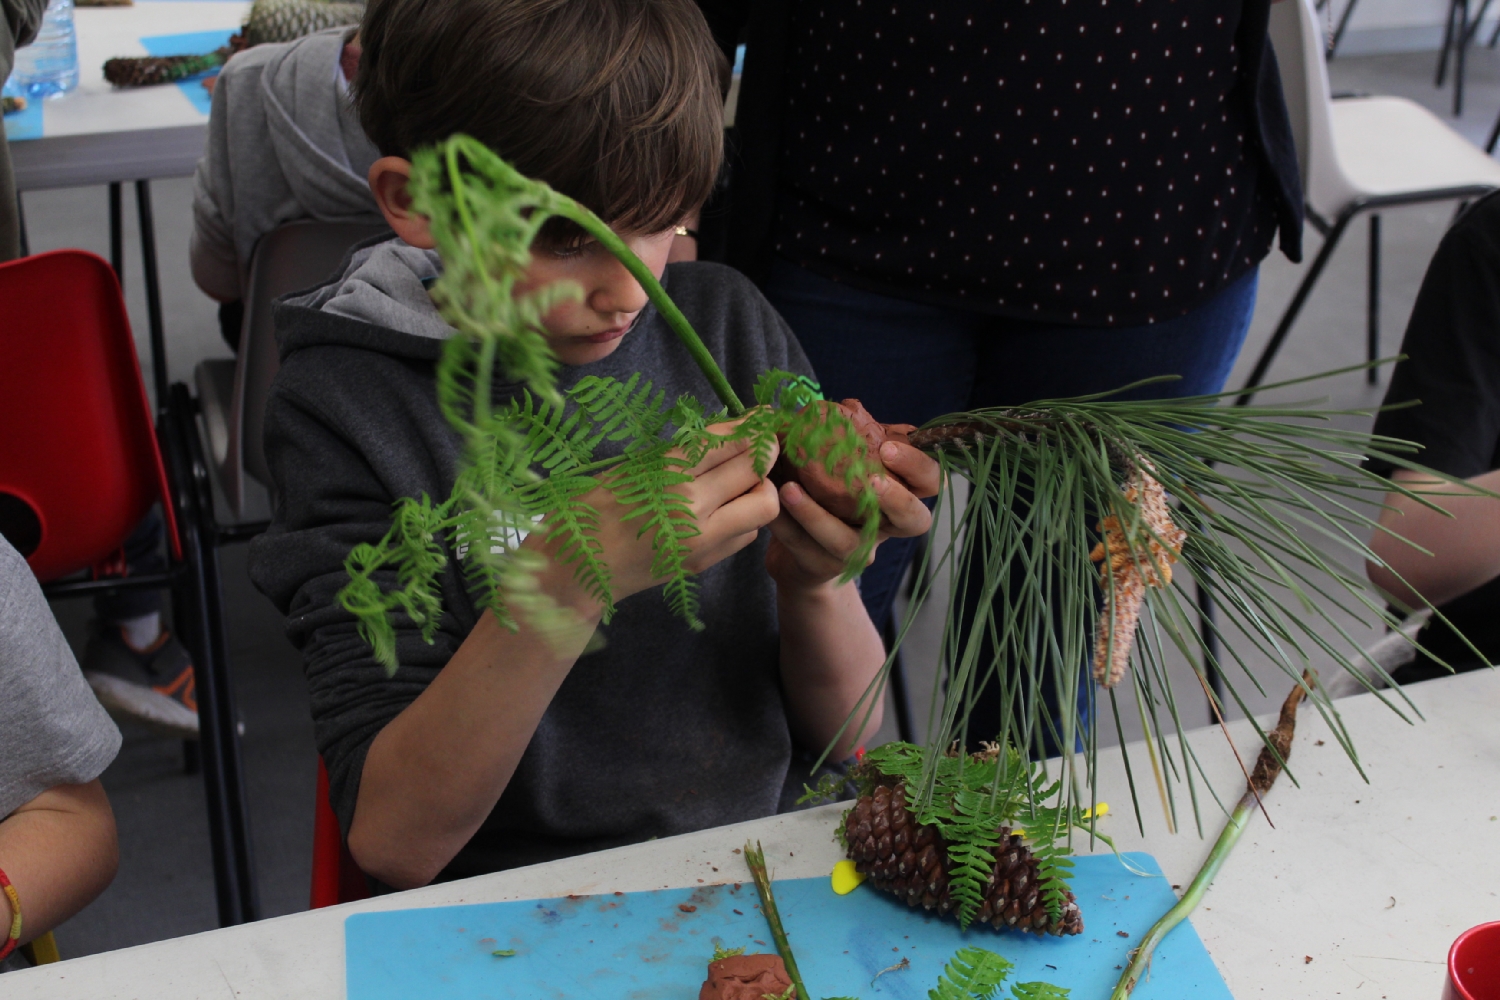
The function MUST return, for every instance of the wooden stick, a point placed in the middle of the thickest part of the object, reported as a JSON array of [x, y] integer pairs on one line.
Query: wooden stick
[[1267, 769]]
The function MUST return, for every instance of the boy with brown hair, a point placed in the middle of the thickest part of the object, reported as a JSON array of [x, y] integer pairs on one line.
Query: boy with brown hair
[[492, 749]]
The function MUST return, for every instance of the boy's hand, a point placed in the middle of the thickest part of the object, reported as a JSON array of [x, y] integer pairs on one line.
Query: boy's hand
[[729, 502], [809, 546]]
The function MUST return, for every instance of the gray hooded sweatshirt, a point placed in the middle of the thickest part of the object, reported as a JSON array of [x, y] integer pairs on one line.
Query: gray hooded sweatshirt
[[662, 731], [284, 143]]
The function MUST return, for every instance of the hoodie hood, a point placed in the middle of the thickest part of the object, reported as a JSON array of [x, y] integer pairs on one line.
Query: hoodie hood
[[314, 127], [383, 284]]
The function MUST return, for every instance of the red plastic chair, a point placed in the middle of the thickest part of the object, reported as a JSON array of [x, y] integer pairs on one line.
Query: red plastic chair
[[335, 876], [80, 465]]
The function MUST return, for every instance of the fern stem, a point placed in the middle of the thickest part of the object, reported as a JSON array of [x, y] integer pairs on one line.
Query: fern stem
[[1267, 768], [595, 227], [756, 858]]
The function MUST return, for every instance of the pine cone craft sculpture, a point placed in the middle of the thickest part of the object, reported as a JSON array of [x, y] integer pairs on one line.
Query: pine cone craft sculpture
[[829, 490], [911, 862]]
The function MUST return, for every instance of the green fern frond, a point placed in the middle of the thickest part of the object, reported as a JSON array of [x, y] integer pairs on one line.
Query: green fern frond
[[970, 798], [628, 411], [1054, 871], [1038, 991], [972, 974]]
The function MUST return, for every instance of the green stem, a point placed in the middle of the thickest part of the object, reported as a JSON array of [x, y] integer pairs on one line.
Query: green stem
[[755, 857], [595, 227], [1267, 768], [1190, 899]]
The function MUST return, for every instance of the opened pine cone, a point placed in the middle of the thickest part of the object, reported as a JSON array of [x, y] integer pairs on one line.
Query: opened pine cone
[[911, 862]]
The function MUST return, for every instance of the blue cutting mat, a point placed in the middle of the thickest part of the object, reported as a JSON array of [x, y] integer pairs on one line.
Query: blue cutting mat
[[190, 43], [644, 945]]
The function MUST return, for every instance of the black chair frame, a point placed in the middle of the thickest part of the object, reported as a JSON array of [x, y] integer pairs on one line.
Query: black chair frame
[[1333, 233], [197, 613]]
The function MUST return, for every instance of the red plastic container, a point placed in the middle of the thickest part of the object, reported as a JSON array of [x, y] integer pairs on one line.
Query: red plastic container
[[1474, 964]]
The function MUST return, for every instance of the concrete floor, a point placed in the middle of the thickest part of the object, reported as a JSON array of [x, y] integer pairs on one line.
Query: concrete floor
[[164, 887]]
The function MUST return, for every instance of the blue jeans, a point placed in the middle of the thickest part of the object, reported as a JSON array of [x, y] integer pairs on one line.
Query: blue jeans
[[909, 362]]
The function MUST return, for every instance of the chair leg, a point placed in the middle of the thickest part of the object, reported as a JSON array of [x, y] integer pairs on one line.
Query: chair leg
[[1294, 307], [1338, 33], [153, 294], [197, 613], [1373, 327], [21, 226], [1460, 58], [1442, 66], [117, 232]]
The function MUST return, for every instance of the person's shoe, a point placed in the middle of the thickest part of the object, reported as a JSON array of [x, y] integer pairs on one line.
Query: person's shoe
[[153, 686]]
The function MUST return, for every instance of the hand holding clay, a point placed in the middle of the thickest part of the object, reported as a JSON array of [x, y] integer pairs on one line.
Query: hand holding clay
[[912, 474], [745, 977]]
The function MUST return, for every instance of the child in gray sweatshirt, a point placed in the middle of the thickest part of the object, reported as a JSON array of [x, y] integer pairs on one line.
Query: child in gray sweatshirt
[[494, 748]]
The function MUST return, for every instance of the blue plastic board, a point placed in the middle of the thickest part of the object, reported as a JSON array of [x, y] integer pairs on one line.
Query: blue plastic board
[[190, 43], [25, 124], [645, 945]]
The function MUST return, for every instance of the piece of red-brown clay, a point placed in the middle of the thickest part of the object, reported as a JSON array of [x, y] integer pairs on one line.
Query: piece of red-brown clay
[[828, 490], [745, 977]]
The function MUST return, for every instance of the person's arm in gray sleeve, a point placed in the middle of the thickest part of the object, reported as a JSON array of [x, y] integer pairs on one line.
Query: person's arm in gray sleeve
[[57, 833]]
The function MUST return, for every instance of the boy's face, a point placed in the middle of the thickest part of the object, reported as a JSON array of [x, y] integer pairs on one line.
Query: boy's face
[[584, 331], [578, 332]]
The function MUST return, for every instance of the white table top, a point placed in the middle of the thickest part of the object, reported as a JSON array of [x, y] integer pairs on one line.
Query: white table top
[[97, 133], [1372, 882]]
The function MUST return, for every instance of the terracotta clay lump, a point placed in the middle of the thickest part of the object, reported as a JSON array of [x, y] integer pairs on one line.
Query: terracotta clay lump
[[745, 977]]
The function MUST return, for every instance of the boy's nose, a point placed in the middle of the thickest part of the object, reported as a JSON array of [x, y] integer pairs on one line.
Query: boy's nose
[[617, 291]]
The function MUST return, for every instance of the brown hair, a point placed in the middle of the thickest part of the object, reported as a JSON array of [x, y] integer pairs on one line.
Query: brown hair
[[615, 103]]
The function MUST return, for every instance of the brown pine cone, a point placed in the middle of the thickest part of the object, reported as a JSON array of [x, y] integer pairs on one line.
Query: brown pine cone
[[911, 861]]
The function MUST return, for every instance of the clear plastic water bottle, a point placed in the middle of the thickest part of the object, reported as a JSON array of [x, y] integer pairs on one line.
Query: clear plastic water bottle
[[48, 67]]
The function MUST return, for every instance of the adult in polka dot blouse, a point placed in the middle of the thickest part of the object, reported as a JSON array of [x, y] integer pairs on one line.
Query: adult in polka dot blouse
[[980, 203]]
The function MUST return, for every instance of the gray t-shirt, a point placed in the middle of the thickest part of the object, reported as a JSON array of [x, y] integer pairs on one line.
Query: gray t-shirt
[[52, 729]]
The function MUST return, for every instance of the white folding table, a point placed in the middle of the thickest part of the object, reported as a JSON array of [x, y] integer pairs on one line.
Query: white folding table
[[1357, 892]]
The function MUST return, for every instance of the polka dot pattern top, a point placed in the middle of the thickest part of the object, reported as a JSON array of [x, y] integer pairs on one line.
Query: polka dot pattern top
[[1073, 161]]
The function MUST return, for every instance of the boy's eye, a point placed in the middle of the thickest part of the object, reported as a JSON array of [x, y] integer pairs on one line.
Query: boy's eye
[[575, 248]]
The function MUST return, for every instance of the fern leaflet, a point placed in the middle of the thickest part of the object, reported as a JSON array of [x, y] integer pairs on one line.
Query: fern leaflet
[[971, 974]]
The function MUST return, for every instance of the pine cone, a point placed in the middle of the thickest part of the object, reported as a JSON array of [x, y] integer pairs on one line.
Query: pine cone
[[147, 71], [911, 861], [285, 20]]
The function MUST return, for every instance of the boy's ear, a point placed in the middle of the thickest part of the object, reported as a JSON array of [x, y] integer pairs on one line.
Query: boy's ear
[[388, 179]]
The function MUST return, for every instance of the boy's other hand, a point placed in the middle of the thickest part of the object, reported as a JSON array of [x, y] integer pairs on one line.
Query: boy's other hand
[[730, 504]]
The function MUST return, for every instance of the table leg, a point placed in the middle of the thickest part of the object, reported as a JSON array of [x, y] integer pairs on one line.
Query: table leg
[[116, 232], [153, 293], [21, 226]]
